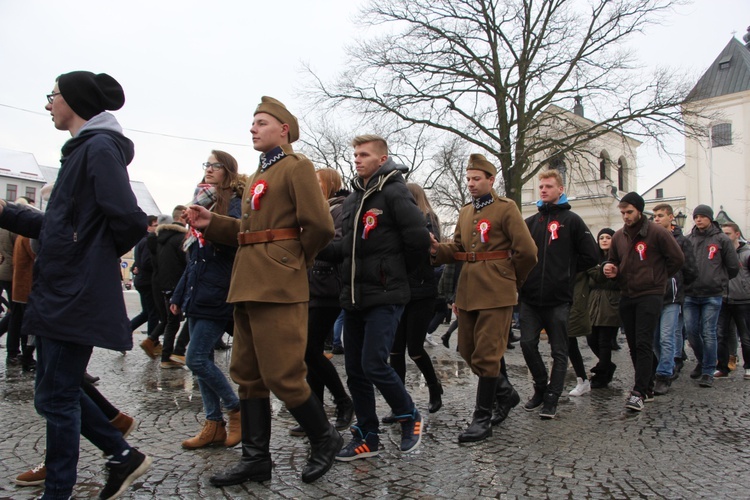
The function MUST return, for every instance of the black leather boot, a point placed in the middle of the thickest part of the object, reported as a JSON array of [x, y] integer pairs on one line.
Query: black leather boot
[[481, 425], [506, 398], [325, 440], [436, 401], [255, 464], [344, 413]]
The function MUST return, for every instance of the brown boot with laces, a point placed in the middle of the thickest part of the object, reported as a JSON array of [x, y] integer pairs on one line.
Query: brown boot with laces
[[234, 429], [211, 433]]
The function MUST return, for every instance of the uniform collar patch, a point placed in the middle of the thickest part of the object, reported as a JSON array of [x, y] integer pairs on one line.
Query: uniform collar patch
[[268, 159], [482, 201]]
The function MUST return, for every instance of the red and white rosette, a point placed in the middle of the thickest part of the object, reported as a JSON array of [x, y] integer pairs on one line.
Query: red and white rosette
[[484, 230], [712, 249], [641, 247], [259, 189], [370, 221], [552, 227]]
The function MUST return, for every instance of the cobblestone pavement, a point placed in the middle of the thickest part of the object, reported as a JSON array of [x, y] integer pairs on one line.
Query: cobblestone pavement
[[690, 443]]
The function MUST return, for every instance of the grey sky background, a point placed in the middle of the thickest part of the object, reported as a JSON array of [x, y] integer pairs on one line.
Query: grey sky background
[[198, 69]]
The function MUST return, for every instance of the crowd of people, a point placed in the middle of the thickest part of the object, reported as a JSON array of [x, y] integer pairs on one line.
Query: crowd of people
[[280, 257]]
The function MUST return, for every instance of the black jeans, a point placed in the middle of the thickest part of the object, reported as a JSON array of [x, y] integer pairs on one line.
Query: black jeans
[[148, 312], [600, 343], [410, 335], [739, 313], [320, 371], [554, 320], [639, 316]]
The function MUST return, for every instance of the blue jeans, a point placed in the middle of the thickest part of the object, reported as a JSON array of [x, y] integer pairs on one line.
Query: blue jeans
[[665, 339], [338, 327], [701, 319], [368, 338], [554, 320], [212, 382], [69, 412]]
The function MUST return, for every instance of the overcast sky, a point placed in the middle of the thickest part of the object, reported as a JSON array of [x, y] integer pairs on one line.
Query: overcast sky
[[197, 70]]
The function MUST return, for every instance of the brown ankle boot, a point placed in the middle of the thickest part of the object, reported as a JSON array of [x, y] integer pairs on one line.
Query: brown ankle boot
[[124, 423], [212, 432], [234, 429], [150, 347]]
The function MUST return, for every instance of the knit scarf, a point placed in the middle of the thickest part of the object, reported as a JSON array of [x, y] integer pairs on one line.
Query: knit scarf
[[205, 196]]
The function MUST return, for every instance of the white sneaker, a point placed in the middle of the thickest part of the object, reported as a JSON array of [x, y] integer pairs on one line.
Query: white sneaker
[[429, 340], [582, 387], [747, 373]]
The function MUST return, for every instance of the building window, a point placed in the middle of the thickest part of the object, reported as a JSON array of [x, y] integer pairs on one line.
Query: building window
[[602, 169], [11, 192], [721, 135], [660, 193], [31, 193], [621, 175]]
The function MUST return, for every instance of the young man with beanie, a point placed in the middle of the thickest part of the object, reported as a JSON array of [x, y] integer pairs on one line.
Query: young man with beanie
[[668, 342], [717, 263], [643, 256], [494, 242], [285, 223], [92, 219], [565, 248], [384, 235]]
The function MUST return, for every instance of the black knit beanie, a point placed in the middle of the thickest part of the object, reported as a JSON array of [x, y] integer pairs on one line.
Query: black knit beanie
[[89, 94], [606, 230], [634, 199], [704, 210]]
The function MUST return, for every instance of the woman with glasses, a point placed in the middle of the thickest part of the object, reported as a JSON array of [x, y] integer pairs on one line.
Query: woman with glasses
[[201, 295]]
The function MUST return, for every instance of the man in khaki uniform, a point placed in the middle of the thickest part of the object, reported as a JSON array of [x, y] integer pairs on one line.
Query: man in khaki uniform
[[285, 222], [493, 240]]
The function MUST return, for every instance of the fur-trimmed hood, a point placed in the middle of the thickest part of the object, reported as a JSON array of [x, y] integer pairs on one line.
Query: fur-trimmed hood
[[172, 226]]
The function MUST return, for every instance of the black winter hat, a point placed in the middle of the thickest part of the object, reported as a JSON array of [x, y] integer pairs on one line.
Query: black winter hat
[[606, 230], [89, 94], [634, 199], [704, 210]]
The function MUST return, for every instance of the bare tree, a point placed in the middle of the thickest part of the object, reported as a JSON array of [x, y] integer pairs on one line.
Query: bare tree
[[494, 72]]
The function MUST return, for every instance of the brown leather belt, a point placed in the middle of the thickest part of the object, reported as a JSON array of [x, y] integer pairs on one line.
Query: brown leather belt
[[475, 256], [254, 237]]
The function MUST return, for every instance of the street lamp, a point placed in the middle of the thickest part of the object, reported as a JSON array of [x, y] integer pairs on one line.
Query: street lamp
[[680, 218]]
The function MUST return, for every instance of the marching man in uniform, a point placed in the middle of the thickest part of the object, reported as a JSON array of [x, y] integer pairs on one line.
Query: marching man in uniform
[[285, 222], [493, 240]]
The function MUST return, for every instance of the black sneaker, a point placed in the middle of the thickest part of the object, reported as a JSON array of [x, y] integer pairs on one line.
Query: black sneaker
[[360, 446], [535, 402], [549, 408], [697, 372], [661, 386], [706, 381], [122, 475], [337, 349], [635, 402], [411, 431]]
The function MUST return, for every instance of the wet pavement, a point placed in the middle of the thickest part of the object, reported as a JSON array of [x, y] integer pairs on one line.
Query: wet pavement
[[691, 443]]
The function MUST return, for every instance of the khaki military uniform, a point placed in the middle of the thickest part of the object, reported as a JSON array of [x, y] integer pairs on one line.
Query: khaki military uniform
[[487, 287], [269, 284]]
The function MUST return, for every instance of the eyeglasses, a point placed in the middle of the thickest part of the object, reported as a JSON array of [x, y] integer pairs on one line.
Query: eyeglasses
[[213, 166], [51, 96]]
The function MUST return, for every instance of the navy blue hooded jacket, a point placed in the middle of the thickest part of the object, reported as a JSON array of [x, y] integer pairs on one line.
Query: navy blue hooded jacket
[[92, 218]]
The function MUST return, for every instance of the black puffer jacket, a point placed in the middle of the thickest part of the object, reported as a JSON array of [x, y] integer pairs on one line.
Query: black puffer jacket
[[551, 281], [168, 257], [423, 281], [325, 277], [675, 293], [375, 267]]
